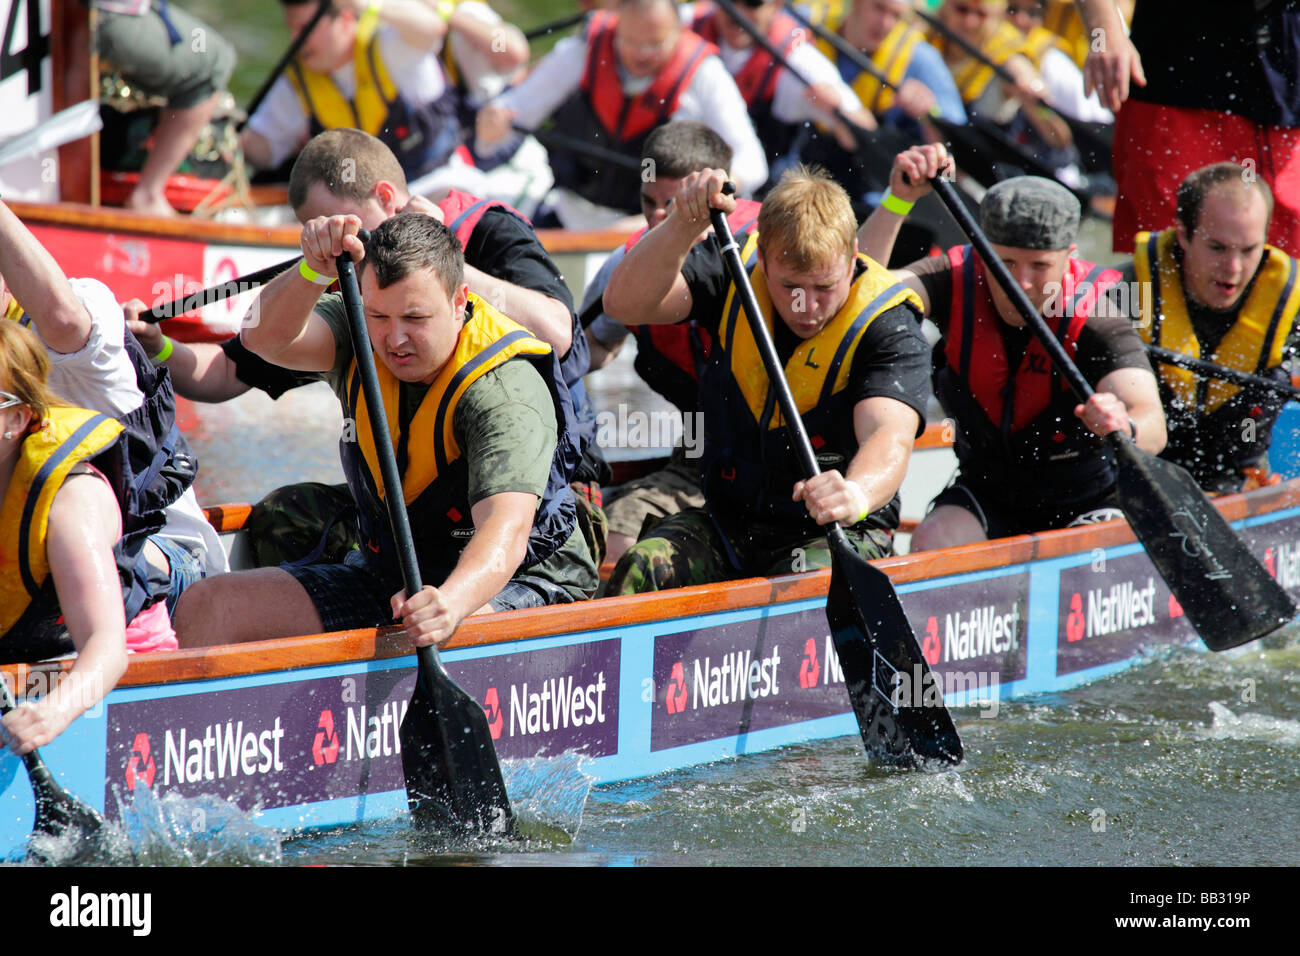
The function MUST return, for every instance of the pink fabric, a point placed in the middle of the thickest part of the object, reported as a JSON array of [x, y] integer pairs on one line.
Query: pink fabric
[[151, 631]]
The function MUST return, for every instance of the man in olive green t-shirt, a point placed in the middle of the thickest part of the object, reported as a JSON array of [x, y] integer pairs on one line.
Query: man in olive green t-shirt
[[491, 513]]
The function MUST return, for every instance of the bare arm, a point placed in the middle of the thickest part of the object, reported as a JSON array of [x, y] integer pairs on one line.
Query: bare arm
[[1124, 394], [416, 22], [82, 530], [502, 523], [885, 429], [503, 43], [647, 287], [257, 150], [281, 325], [40, 287], [601, 353], [1113, 62], [201, 372]]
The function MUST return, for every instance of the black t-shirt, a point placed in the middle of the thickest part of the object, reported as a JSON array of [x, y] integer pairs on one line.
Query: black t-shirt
[[1224, 55], [502, 245], [1106, 343], [892, 359]]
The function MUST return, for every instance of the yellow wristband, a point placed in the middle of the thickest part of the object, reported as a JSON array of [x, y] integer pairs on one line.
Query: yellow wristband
[[165, 352], [445, 9], [895, 205], [311, 275]]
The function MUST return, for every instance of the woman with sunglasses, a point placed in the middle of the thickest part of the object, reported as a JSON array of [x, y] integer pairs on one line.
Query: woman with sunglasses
[[60, 519]]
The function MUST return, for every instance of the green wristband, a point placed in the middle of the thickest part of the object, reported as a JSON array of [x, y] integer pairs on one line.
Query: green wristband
[[895, 205], [165, 352], [311, 275]]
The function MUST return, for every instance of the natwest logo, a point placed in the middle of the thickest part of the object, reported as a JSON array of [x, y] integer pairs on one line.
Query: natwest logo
[[1075, 624], [675, 699], [931, 647], [1120, 607], [556, 704], [492, 708], [220, 751], [979, 632], [737, 676], [809, 668], [325, 745], [140, 767]]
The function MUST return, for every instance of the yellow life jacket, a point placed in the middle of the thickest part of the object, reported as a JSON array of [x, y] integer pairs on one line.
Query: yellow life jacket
[[376, 93], [973, 76], [1061, 17], [70, 436], [448, 57], [1039, 40], [486, 340], [873, 292], [891, 58], [1255, 343]]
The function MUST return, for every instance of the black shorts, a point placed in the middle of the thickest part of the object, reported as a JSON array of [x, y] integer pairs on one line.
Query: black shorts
[[1001, 519]]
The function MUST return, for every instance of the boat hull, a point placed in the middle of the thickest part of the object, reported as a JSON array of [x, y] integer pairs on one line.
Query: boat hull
[[305, 730]]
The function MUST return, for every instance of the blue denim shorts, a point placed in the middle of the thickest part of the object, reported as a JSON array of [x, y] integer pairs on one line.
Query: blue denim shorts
[[186, 568]]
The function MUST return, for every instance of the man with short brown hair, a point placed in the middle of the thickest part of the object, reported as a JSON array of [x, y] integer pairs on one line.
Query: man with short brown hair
[[847, 334]]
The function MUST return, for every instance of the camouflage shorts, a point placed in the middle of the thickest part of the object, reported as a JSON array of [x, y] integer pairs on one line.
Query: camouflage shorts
[[592, 520], [665, 492], [688, 548], [308, 523]]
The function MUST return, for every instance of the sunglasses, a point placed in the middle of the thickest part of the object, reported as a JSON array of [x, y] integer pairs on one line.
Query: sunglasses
[[9, 400]]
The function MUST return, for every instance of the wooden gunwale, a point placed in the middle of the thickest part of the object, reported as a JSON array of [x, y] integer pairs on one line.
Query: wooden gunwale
[[385, 643], [112, 219]]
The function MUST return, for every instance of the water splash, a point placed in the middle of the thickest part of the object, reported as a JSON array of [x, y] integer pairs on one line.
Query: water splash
[[548, 795], [1260, 727], [173, 830]]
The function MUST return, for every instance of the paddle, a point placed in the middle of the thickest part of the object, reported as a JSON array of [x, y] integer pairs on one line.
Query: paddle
[[284, 61], [189, 303], [63, 127], [1093, 139], [1214, 370], [1227, 594], [554, 26], [57, 810], [868, 142], [553, 140], [873, 637], [973, 141], [453, 778]]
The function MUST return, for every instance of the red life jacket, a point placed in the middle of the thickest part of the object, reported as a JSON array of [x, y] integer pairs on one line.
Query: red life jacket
[[757, 78], [600, 113], [461, 212], [1017, 425]]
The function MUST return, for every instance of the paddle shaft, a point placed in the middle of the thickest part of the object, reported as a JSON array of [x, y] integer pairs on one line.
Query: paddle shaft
[[866, 142], [767, 351], [365, 359], [284, 61], [555, 25], [188, 303], [550, 138], [1214, 370], [42, 779]]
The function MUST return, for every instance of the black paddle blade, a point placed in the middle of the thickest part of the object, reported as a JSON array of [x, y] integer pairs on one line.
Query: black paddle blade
[[453, 778], [1228, 596], [62, 816], [895, 697]]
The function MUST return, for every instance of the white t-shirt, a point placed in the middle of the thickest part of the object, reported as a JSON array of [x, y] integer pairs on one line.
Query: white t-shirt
[[710, 98], [415, 72], [100, 377], [1064, 82], [481, 79]]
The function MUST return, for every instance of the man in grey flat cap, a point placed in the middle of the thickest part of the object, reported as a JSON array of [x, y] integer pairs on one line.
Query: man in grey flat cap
[[1029, 452]]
